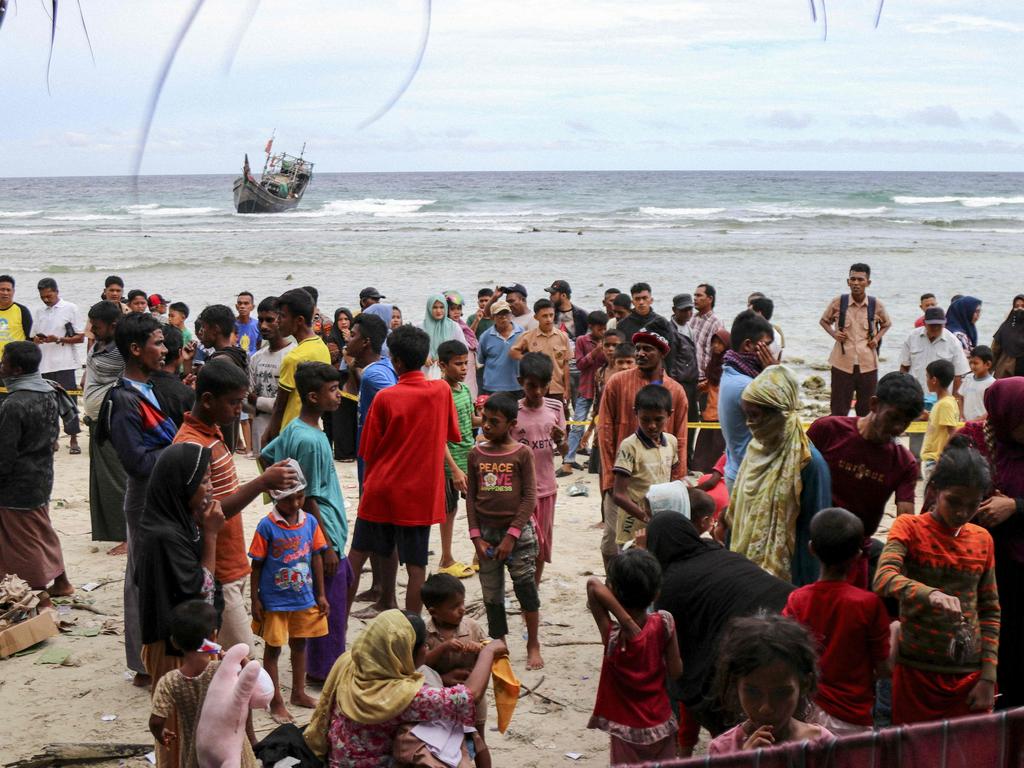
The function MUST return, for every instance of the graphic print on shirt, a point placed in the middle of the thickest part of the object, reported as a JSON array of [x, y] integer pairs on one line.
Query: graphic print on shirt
[[496, 476], [296, 577]]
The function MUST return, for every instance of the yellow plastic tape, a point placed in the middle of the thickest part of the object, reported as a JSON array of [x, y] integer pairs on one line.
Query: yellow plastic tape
[[916, 427]]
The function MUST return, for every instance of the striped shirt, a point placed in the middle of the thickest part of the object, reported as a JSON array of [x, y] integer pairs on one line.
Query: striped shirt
[[921, 556], [232, 561], [703, 328]]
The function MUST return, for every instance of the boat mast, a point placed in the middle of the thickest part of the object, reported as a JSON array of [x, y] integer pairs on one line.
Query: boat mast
[[270, 144]]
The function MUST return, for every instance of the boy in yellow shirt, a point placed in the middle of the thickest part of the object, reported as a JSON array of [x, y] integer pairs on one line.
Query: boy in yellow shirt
[[944, 417]]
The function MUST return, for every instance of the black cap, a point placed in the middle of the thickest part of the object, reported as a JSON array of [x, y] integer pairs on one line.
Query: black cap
[[371, 293], [515, 288], [560, 286], [682, 301], [934, 316]]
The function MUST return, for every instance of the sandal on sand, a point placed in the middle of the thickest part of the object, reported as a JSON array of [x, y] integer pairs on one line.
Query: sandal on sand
[[75, 450], [458, 570]]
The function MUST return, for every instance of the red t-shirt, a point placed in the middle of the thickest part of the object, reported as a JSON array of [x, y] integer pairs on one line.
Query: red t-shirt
[[852, 627], [402, 445], [864, 475]]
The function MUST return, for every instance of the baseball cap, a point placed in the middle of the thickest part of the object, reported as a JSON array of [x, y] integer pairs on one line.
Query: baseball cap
[[934, 316], [371, 293], [500, 306], [515, 288], [652, 338], [682, 301], [559, 286], [155, 300]]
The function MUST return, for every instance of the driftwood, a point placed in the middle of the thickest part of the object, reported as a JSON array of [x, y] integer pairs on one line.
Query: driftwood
[[81, 753]]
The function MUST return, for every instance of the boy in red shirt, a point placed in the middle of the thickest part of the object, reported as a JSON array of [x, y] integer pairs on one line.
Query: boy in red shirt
[[850, 624], [403, 448]]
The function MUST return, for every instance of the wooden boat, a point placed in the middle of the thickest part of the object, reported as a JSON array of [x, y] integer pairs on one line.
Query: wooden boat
[[280, 187]]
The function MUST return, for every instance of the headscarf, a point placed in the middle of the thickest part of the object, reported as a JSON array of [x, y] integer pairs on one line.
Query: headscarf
[[28, 382], [960, 318], [744, 362], [766, 495], [703, 587], [168, 560], [454, 299], [383, 311], [713, 370], [441, 330], [335, 334], [1010, 335]]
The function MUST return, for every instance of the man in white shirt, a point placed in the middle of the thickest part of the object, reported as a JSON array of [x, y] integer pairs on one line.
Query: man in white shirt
[[264, 368], [933, 342], [58, 330]]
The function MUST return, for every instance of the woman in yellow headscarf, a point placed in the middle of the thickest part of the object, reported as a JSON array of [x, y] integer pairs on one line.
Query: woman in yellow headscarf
[[374, 689], [782, 482]]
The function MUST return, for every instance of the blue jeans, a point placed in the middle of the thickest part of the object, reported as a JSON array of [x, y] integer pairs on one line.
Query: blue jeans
[[580, 410]]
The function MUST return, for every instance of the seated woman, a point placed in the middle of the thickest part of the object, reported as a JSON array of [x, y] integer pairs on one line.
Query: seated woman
[[374, 689]]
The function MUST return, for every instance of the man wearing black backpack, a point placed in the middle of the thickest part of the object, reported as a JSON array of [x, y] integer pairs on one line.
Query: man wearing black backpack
[[857, 322]]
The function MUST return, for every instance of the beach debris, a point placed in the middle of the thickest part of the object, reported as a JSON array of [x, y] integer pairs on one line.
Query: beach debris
[[573, 755], [81, 752], [108, 718], [57, 656], [813, 383], [579, 489]]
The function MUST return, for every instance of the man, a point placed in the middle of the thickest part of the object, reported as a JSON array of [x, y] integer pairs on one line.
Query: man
[[643, 317], [247, 328], [857, 322], [765, 307], [113, 290], [501, 370], [927, 300], [609, 299], [481, 321], [216, 331], [103, 367], [619, 421], [704, 325], [933, 342], [15, 319], [29, 547], [866, 461], [515, 296], [265, 367], [549, 340], [176, 399], [684, 367], [158, 307], [58, 330], [369, 296], [568, 317], [295, 319]]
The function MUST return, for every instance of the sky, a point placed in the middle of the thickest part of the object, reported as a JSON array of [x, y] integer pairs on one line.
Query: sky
[[524, 85]]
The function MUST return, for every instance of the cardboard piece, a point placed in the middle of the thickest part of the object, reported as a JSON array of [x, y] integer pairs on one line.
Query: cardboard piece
[[27, 633]]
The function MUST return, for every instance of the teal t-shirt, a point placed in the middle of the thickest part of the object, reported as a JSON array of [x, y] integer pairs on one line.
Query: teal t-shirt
[[309, 446], [464, 408]]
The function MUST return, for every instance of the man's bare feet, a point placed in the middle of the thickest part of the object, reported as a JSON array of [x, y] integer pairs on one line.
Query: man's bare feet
[[61, 587], [280, 712], [371, 595], [142, 680], [119, 549], [302, 699], [533, 657]]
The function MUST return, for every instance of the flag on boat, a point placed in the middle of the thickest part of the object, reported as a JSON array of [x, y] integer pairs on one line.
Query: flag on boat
[[270, 143]]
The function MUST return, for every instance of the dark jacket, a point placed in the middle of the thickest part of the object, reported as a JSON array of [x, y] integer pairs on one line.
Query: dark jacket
[[138, 430], [176, 399], [579, 321], [29, 423]]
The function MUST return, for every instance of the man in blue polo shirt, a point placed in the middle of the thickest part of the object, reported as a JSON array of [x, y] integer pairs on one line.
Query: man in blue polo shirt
[[501, 372]]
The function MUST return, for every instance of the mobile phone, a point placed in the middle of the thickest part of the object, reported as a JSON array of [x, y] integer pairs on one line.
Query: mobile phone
[[69, 330]]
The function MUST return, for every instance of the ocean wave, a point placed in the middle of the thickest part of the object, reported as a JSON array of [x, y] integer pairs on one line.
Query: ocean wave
[[806, 211], [375, 206], [19, 214], [964, 224], [87, 217], [966, 201], [156, 209], [696, 212]]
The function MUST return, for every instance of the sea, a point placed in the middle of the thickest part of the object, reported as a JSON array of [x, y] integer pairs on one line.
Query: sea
[[789, 235]]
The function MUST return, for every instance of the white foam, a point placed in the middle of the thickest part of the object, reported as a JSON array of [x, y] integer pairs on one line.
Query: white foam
[[695, 212], [375, 206], [804, 211], [18, 214], [155, 209], [967, 202], [87, 217]]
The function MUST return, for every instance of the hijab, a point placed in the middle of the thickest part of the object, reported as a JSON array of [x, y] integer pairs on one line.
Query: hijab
[[766, 495], [335, 334], [703, 587], [1010, 335], [441, 330], [960, 318], [168, 561], [713, 370], [383, 311]]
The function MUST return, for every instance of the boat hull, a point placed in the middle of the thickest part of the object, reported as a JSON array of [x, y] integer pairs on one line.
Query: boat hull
[[250, 197]]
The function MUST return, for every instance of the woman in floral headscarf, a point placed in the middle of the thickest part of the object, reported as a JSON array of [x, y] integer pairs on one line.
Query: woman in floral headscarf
[[782, 482]]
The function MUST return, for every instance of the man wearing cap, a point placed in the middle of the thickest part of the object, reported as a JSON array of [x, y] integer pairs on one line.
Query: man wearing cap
[[933, 342], [368, 296], [618, 421], [515, 296], [568, 317], [158, 307], [501, 371]]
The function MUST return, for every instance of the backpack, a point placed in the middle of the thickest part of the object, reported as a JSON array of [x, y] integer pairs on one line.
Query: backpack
[[683, 363], [873, 325]]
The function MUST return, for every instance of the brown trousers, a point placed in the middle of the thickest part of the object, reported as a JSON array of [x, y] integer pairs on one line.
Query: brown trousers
[[845, 385]]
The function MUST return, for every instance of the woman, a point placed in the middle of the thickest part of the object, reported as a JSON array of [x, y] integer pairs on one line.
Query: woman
[[396, 317], [343, 420], [710, 444], [703, 587], [440, 328], [961, 318], [374, 689], [1000, 438], [176, 555], [782, 482], [1008, 343], [455, 306]]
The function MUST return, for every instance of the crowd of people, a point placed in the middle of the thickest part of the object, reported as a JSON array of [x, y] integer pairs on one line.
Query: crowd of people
[[743, 564]]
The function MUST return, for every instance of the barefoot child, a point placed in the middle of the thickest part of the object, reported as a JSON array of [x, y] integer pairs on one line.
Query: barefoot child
[[501, 498], [766, 673], [942, 569], [179, 694], [540, 426], [288, 602], [632, 701]]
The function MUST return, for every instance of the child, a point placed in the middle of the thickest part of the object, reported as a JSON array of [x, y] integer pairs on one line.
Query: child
[[621, 356], [850, 624], [304, 441], [703, 511], [942, 570], [540, 426], [177, 314], [944, 417], [767, 672], [553, 342], [639, 651], [453, 358], [589, 356], [972, 389], [454, 640], [502, 494], [288, 603], [179, 694], [645, 458]]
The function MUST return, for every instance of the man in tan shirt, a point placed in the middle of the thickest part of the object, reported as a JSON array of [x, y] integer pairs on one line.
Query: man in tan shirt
[[857, 322], [551, 341]]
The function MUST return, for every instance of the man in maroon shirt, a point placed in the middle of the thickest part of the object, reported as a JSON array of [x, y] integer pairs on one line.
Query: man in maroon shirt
[[867, 463]]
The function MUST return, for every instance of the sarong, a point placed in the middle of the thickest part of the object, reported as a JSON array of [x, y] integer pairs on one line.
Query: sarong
[[107, 482], [29, 546], [322, 652]]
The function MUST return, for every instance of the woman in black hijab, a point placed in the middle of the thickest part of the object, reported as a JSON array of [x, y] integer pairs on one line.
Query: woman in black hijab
[[703, 587], [1008, 342], [177, 548], [342, 421]]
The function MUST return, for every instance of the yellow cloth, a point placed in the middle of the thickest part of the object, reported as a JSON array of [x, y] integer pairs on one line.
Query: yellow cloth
[[506, 691], [944, 414], [766, 496], [311, 350], [278, 626]]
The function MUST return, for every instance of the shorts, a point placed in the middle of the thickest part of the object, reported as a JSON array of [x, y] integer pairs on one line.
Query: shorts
[[451, 495], [65, 378], [411, 541], [543, 520], [278, 626]]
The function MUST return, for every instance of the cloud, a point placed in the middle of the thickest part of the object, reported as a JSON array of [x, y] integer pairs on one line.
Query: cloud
[[953, 24], [1000, 121], [939, 116], [787, 119], [580, 126]]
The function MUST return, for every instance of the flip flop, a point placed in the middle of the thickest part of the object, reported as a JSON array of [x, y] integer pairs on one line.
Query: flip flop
[[458, 570], [75, 450]]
